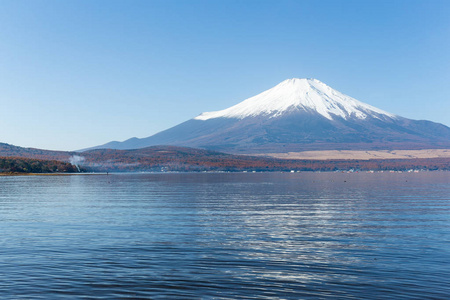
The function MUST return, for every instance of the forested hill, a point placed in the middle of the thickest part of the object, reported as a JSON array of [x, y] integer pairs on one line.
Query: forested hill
[[172, 158], [28, 165], [182, 159], [7, 150]]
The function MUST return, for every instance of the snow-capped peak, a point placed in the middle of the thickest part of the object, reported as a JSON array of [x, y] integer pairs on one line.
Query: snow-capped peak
[[298, 94]]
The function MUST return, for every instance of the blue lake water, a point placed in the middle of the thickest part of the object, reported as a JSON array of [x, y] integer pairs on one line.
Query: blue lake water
[[226, 236]]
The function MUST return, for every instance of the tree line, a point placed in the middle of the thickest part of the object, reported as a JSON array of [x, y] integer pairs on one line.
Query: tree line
[[28, 165], [170, 158]]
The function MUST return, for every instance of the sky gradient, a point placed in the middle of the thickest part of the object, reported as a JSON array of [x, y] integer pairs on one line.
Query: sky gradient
[[75, 74]]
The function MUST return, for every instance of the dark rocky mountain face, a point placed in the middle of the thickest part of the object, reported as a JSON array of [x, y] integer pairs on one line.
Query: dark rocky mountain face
[[298, 115]]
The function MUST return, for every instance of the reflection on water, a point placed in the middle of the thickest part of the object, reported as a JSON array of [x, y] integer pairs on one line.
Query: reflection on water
[[288, 236]]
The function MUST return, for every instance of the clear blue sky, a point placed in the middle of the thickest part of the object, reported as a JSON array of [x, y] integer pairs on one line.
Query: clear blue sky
[[75, 74]]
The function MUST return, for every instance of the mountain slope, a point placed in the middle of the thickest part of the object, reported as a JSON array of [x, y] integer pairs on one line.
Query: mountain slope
[[297, 115]]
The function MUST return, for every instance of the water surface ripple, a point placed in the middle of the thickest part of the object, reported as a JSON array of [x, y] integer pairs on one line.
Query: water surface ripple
[[226, 236]]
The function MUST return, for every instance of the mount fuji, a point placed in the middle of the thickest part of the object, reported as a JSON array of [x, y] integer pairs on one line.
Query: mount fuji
[[298, 115]]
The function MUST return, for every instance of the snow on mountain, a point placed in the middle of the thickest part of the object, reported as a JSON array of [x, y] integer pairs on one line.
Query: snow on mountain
[[297, 115], [296, 95]]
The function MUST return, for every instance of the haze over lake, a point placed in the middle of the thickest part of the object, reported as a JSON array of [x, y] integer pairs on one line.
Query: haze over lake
[[190, 236]]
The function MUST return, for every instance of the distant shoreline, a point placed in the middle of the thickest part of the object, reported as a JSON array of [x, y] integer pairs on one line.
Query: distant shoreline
[[50, 174], [224, 172]]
